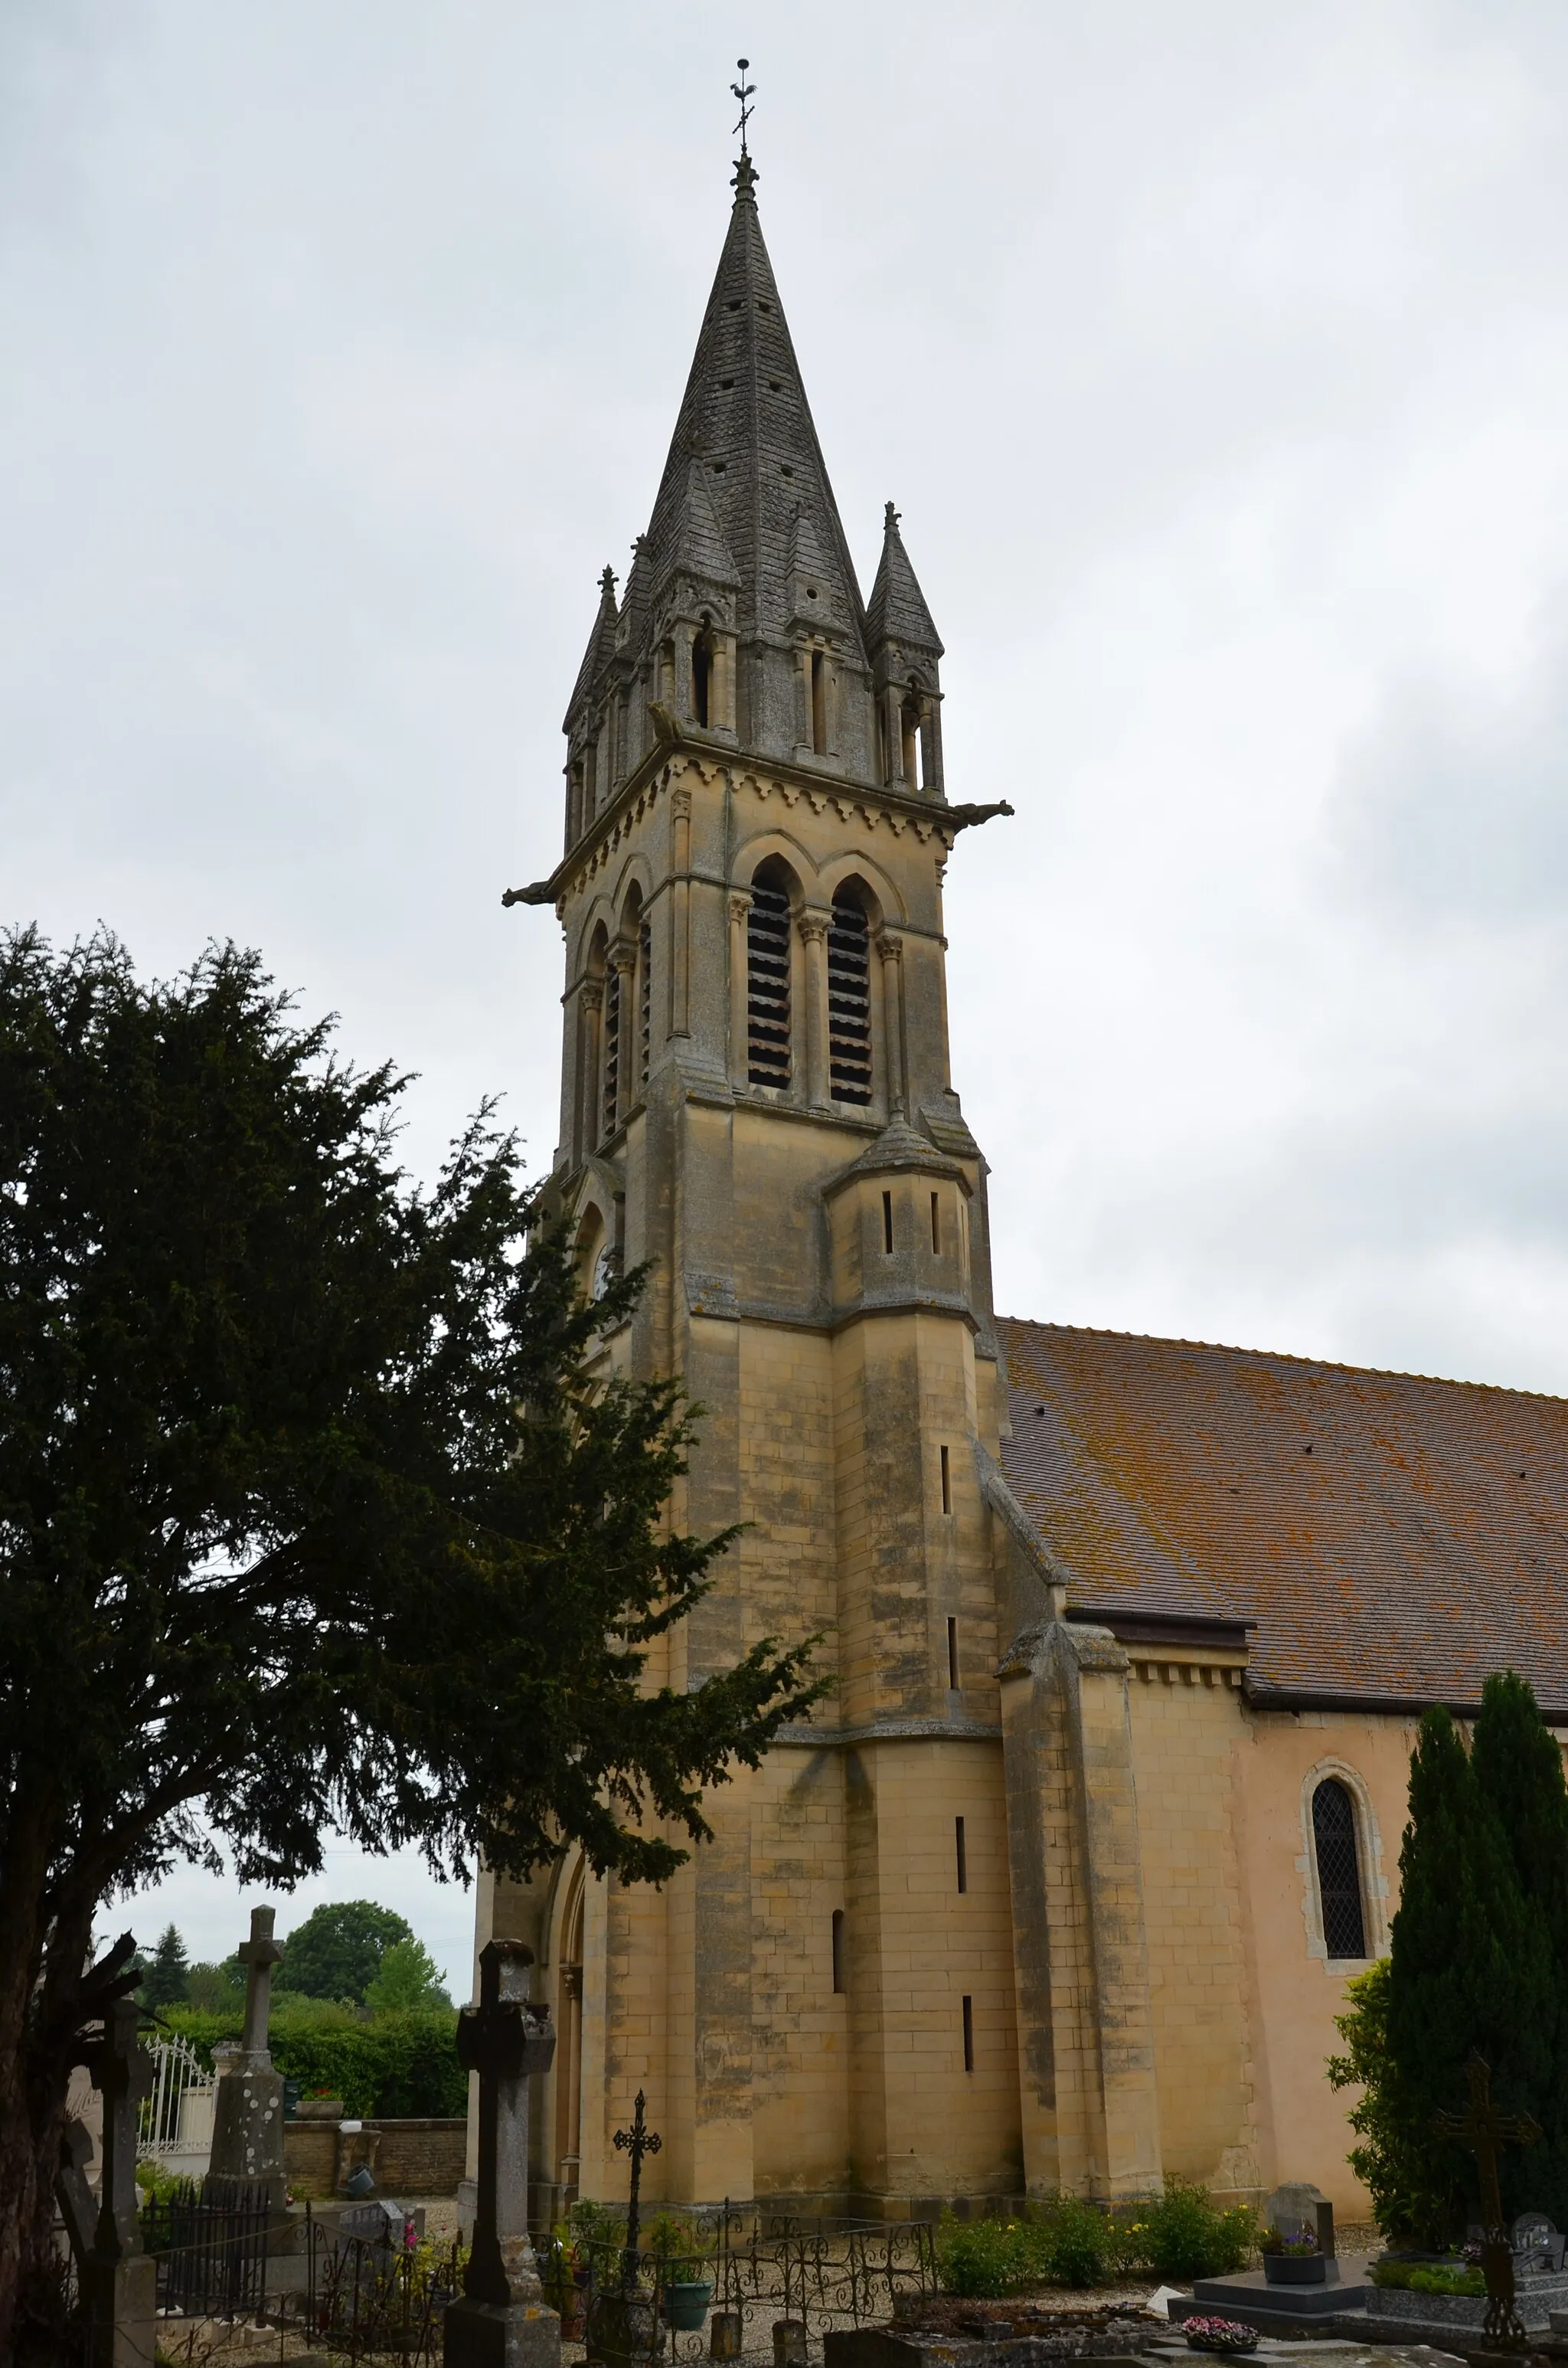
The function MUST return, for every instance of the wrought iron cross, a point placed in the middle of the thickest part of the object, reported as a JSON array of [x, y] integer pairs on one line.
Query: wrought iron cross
[[637, 2141], [1486, 2130], [746, 92]]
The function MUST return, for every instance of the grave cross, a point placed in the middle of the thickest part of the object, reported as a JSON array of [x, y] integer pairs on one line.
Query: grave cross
[[637, 2141], [504, 2040], [1485, 2129], [122, 2071], [258, 1955]]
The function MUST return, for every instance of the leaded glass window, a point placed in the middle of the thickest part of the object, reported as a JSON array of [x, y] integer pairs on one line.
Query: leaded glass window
[[1339, 1870]]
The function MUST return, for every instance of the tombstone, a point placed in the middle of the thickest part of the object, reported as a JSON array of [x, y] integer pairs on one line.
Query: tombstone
[[1293, 2208], [119, 2281], [1537, 2247], [501, 2320], [247, 2113]]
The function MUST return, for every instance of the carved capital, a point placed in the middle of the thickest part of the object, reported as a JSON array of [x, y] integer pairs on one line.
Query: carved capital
[[812, 928], [623, 954], [680, 802], [740, 904], [890, 948], [592, 994]]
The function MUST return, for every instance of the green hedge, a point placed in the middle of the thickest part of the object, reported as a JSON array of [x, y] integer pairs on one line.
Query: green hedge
[[398, 2067], [1066, 2241]]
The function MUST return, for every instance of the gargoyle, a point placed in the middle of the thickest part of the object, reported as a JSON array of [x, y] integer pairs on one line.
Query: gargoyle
[[968, 817], [538, 892]]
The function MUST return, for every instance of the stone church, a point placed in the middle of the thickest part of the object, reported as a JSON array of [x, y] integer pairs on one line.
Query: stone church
[[1063, 1886]]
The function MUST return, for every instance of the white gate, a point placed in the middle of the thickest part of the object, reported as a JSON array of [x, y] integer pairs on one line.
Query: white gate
[[177, 2115]]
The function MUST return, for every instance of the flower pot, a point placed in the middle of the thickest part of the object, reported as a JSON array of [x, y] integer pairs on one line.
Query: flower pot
[[1295, 2269], [319, 2109], [686, 2303]]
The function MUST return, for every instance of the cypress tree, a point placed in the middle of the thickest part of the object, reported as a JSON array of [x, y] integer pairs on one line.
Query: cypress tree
[[1518, 1775], [166, 1977], [1469, 1964]]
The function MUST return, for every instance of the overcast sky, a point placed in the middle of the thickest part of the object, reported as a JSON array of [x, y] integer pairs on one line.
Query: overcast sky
[[1214, 355]]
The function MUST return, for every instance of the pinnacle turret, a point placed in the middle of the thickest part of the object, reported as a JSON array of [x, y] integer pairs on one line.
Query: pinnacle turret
[[897, 611]]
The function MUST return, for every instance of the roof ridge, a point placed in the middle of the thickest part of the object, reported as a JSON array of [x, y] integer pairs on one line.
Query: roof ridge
[[1284, 1356]]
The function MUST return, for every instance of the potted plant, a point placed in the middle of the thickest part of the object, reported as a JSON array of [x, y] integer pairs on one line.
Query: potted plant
[[319, 2105], [684, 2278], [1292, 2260]]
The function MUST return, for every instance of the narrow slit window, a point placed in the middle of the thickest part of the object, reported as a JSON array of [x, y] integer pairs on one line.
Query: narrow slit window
[[849, 1002], [947, 1483], [838, 1952], [962, 1855], [936, 1223], [887, 1225], [645, 996], [819, 703], [768, 986], [953, 1656], [701, 676], [612, 1047], [911, 726], [969, 2034], [1339, 1870]]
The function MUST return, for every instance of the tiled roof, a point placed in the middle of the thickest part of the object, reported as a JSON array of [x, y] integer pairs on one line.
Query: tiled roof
[[1420, 1544]]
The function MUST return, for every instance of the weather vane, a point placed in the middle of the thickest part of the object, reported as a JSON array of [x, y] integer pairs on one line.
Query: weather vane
[[746, 92]]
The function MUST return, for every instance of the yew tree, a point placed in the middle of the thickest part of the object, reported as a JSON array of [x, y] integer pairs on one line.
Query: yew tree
[[314, 1515]]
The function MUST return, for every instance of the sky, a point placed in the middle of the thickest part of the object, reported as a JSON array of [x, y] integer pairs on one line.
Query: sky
[[1214, 358]]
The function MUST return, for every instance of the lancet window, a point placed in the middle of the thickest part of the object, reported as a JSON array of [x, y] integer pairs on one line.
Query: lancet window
[[767, 982], [701, 676], [612, 1047], [1339, 1868], [644, 998], [849, 999]]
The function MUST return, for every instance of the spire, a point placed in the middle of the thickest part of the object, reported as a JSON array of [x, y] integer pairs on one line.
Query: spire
[[897, 611], [745, 427], [601, 646]]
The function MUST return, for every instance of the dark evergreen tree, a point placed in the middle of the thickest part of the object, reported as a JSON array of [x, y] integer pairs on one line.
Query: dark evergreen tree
[[1470, 1964], [1519, 1774], [168, 1976]]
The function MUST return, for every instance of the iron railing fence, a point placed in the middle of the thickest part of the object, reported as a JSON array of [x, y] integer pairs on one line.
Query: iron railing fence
[[367, 2297], [709, 2270], [209, 2240]]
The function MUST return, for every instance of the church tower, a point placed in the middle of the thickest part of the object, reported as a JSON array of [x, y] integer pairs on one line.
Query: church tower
[[756, 1100]]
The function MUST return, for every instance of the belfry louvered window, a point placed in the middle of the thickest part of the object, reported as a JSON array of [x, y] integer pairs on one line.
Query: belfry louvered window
[[1339, 1870], [644, 996], [768, 986], [612, 1047], [849, 1001]]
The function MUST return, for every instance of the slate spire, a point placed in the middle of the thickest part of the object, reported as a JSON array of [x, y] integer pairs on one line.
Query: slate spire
[[897, 611], [601, 646], [745, 428]]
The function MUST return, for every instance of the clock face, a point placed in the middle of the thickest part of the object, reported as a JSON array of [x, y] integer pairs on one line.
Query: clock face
[[603, 1270]]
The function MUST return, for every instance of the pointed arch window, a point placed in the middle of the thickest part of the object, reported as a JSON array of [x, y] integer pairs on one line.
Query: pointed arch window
[[849, 999], [909, 721], [701, 676], [767, 981], [1339, 1868], [644, 998], [612, 1046]]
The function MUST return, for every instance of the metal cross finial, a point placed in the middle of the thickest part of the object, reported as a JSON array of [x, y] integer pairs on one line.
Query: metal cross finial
[[637, 2141], [1485, 2129], [746, 92]]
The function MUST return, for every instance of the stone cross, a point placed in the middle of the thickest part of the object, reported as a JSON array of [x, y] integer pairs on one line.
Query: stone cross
[[1486, 2130], [504, 2040], [258, 1955], [122, 2070], [637, 2141]]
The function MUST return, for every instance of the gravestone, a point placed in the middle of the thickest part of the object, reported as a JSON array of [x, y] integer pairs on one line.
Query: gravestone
[[501, 2319], [119, 2281], [247, 2113]]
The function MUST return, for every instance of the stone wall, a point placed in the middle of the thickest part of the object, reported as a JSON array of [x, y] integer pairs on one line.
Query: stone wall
[[414, 2158]]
